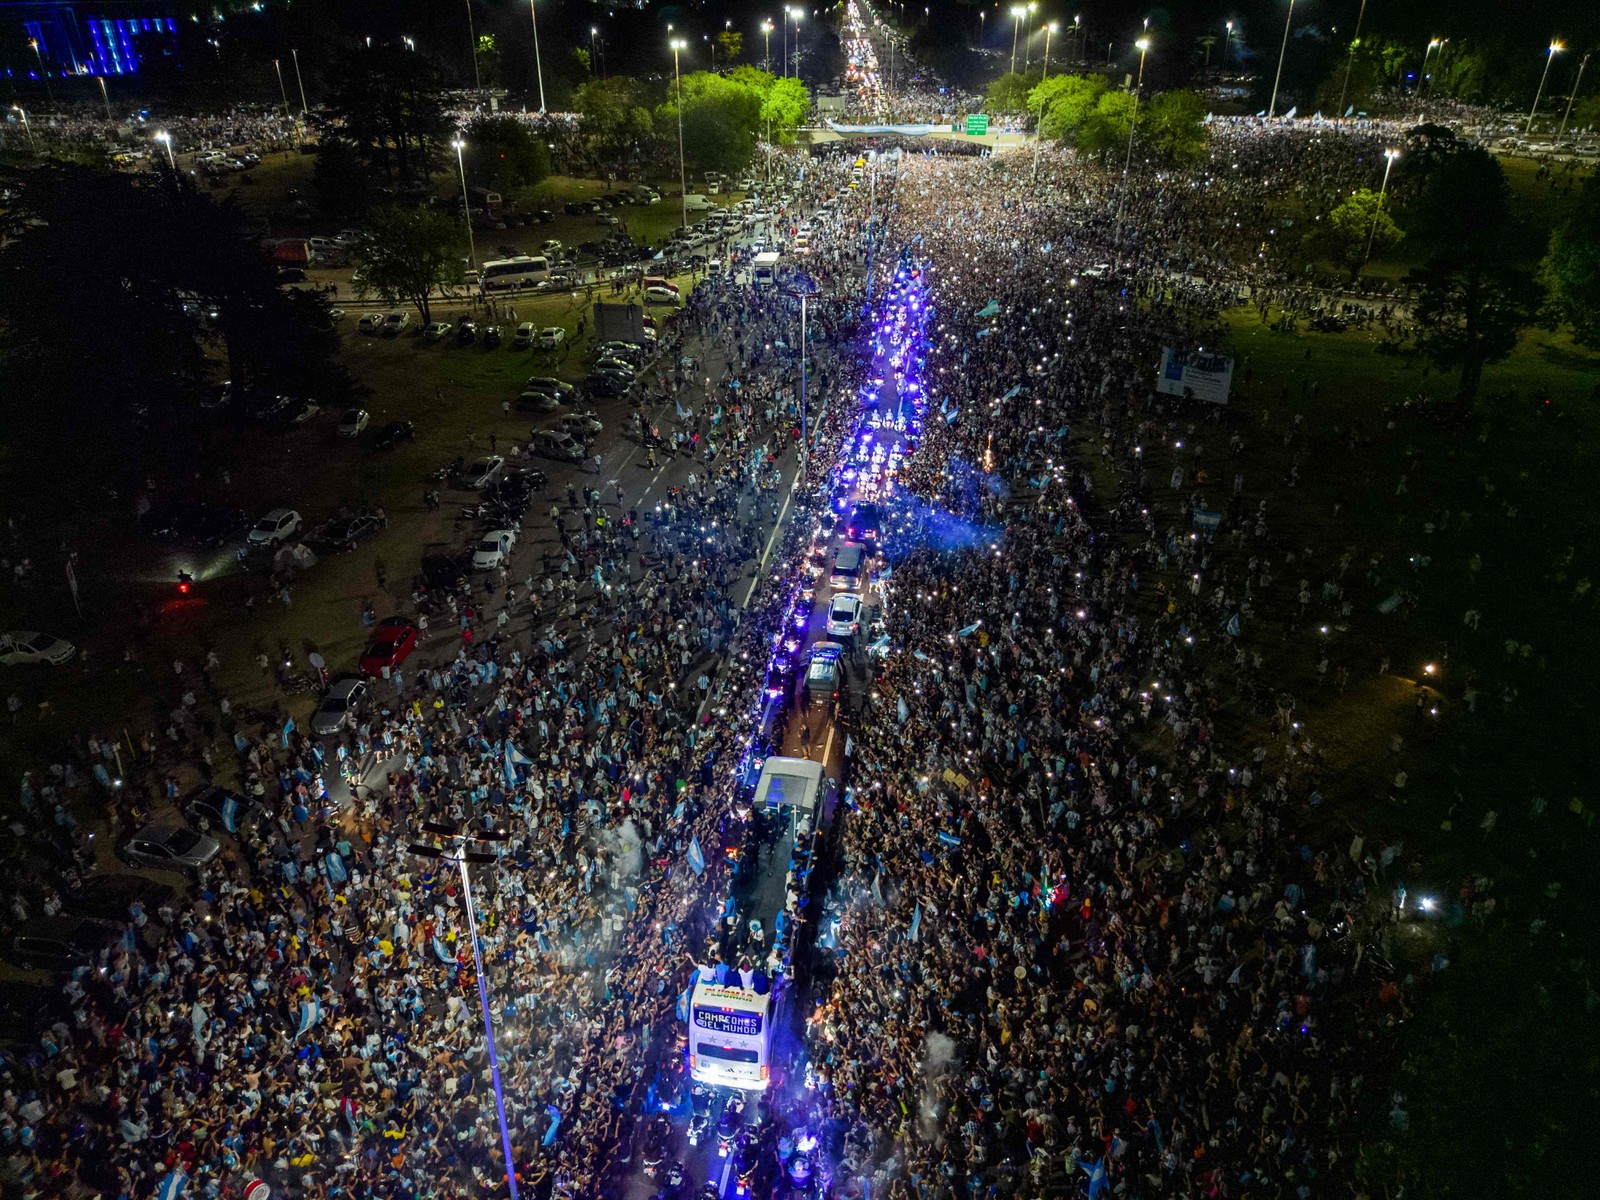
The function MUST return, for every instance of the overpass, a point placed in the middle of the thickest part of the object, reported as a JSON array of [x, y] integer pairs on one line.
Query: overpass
[[818, 135]]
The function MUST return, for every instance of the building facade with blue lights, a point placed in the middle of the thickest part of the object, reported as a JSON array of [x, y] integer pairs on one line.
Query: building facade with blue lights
[[84, 37]]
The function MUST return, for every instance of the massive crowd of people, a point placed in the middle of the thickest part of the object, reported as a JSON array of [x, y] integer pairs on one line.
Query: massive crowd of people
[[1075, 933]]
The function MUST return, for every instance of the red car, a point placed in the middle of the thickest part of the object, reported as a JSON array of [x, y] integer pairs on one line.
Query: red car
[[392, 643]]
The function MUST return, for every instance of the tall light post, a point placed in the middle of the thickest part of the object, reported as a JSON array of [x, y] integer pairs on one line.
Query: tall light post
[[1555, 49], [1578, 83], [1077, 32], [165, 139], [106, 98], [1272, 106], [460, 858], [798, 13], [1027, 46], [26, 128], [1122, 193], [538, 66], [1017, 13], [1388, 164], [460, 148], [766, 54], [305, 109], [277, 66], [38, 53], [1433, 44], [784, 43], [472, 41], [805, 289], [1350, 61], [1038, 132], [678, 44]]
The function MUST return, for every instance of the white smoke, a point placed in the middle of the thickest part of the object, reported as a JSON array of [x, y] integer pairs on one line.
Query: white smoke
[[938, 1056]]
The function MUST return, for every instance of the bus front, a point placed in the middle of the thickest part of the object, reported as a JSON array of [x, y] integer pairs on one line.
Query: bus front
[[730, 1037]]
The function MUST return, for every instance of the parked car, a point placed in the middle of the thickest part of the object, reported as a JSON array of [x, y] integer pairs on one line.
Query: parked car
[[466, 331], [481, 472], [490, 336], [436, 331], [526, 333], [538, 402], [172, 845], [608, 384], [551, 337], [339, 703], [396, 323], [291, 275], [28, 646], [551, 385], [392, 643], [550, 246], [344, 531], [61, 943], [544, 216], [370, 323], [353, 422], [446, 570], [844, 615], [583, 424], [555, 443], [660, 295], [393, 434], [277, 525], [215, 807], [112, 897], [493, 549]]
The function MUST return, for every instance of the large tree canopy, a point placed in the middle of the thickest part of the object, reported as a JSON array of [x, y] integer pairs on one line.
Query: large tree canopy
[[504, 154], [387, 103], [408, 254], [1572, 269], [614, 117]]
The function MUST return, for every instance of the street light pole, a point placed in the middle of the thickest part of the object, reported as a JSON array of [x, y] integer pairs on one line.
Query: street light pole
[[1555, 48], [798, 13], [784, 44], [1578, 83], [26, 128], [1388, 165], [805, 289], [106, 97], [1122, 193], [466, 204], [538, 66], [305, 109], [277, 65], [460, 859], [1038, 132], [165, 139], [1349, 62], [43, 74], [472, 41], [1027, 46], [766, 55], [1017, 13], [683, 171], [1227, 41], [1272, 106], [1433, 44]]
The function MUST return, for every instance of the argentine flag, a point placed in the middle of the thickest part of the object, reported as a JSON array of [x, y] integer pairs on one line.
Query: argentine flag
[[310, 1014], [697, 857]]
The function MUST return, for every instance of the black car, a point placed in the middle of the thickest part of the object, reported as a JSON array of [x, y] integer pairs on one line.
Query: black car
[[60, 943], [291, 275], [574, 208], [544, 216], [393, 434], [491, 336], [444, 570], [467, 331], [864, 524], [197, 523], [343, 532], [608, 384], [213, 809], [110, 897]]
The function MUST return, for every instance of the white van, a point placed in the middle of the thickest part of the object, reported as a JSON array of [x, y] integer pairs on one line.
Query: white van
[[695, 202]]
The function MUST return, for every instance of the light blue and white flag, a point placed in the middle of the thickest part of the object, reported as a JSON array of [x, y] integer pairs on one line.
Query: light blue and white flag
[[310, 1014], [697, 857]]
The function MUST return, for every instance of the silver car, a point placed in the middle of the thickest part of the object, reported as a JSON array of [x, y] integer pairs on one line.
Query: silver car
[[172, 845], [343, 698]]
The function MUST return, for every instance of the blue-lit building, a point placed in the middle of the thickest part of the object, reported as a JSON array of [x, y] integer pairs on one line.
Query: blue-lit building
[[84, 37]]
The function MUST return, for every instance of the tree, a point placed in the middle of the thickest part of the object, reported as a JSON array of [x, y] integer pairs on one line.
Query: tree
[[1173, 127], [488, 60], [1066, 101], [503, 154], [1104, 130], [1470, 313], [1009, 93], [613, 118], [341, 180], [1572, 268], [1343, 235], [407, 254], [388, 104], [731, 44]]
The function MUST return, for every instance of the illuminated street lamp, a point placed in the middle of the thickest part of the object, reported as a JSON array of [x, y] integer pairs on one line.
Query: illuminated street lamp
[[466, 205], [538, 66], [1027, 46], [106, 98], [1434, 44], [678, 44], [803, 287], [1578, 83], [1555, 49], [766, 34], [1017, 13], [1038, 132], [1227, 40], [1272, 106], [797, 14], [1388, 165], [459, 856], [305, 109], [1349, 61], [472, 42], [26, 128], [278, 67], [165, 139], [1144, 48]]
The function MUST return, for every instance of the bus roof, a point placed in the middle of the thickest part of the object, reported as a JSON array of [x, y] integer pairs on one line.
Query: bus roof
[[789, 781], [706, 992], [766, 258]]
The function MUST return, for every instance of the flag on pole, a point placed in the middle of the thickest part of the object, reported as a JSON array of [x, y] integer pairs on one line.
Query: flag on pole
[[697, 857], [310, 1014]]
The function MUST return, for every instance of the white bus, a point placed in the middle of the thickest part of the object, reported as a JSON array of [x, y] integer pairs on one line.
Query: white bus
[[523, 271], [730, 1036]]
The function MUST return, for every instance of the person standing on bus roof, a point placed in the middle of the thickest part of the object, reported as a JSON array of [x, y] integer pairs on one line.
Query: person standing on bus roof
[[747, 974]]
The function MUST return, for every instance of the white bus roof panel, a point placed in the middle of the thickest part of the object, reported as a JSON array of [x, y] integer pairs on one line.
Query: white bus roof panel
[[789, 781]]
